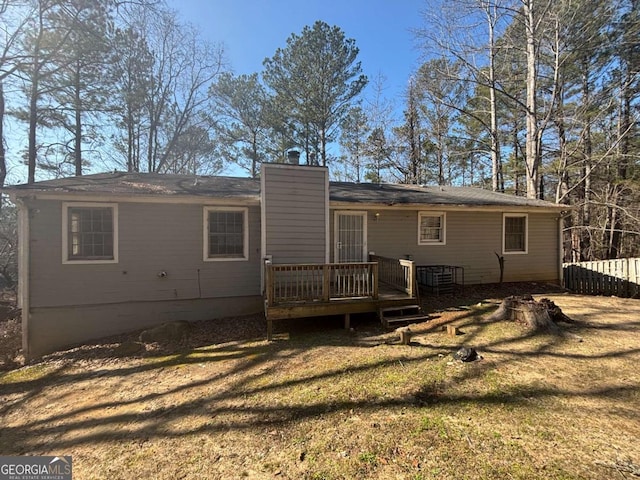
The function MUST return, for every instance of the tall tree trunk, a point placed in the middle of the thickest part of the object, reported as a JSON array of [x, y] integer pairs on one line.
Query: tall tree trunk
[[151, 167], [625, 126], [307, 145], [130, 140], [323, 145], [3, 159], [77, 153], [532, 159], [33, 99], [440, 160], [413, 137], [516, 157], [562, 189], [496, 164], [137, 151], [254, 156], [33, 124], [585, 240], [612, 248]]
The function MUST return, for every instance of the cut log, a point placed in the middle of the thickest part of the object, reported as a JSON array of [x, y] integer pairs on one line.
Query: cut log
[[405, 335]]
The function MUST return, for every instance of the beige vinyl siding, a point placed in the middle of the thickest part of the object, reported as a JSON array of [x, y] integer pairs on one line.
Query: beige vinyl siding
[[295, 213], [153, 238], [473, 238]]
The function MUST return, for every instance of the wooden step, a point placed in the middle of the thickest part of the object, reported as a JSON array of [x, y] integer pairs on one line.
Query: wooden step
[[399, 309], [405, 314]]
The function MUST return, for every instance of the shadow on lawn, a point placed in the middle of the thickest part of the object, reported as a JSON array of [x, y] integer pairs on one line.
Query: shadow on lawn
[[234, 386]]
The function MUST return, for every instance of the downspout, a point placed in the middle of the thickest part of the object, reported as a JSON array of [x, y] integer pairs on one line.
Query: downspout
[[561, 218], [560, 252], [24, 303]]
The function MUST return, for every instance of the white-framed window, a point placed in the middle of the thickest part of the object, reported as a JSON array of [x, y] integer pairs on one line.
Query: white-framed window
[[226, 234], [89, 232], [432, 228], [515, 232]]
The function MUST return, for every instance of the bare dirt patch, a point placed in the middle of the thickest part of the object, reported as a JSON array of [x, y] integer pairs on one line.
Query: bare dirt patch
[[322, 403]]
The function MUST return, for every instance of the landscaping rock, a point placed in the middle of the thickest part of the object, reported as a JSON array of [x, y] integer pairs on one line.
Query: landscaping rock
[[466, 354], [128, 348], [167, 333]]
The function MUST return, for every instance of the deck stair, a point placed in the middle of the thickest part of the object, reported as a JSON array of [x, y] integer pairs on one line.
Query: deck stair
[[404, 314]]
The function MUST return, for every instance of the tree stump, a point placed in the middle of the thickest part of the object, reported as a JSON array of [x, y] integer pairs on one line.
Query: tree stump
[[542, 315]]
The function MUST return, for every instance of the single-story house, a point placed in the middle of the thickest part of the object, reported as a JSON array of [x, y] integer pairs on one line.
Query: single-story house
[[113, 252]]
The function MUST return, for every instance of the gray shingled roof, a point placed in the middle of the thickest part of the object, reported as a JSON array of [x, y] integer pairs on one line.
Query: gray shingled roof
[[133, 184], [395, 194], [121, 183]]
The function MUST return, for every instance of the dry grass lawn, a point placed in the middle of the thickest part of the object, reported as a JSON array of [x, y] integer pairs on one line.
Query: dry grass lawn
[[322, 403]]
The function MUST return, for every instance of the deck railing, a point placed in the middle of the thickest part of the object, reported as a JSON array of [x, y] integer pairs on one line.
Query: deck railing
[[397, 273], [319, 282]]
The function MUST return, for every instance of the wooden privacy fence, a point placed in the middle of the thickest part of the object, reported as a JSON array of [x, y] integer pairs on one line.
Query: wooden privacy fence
[[619, 277]]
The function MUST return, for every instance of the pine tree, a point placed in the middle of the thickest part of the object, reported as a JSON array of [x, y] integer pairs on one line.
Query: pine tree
[[317, 76]]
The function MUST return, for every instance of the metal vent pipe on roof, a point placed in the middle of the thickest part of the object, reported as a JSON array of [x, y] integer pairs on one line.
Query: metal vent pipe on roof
[[293, 157]]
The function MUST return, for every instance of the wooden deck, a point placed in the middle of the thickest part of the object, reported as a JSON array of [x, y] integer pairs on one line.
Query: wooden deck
[[311, 290]]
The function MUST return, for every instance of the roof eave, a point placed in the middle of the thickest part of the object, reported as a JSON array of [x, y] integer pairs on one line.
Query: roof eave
[[449, 207], [25, 194]]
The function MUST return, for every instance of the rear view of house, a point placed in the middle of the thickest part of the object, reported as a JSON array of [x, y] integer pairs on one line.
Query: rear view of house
[[109, 253]]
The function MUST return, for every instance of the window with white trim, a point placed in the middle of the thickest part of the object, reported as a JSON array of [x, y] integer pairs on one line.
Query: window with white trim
[[514, 233], [226, 235], [431, 228], [89, 233]]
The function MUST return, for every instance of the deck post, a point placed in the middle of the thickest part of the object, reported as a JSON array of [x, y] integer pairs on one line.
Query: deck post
[[326, 283], [347, 321], [411, 279], [268, 297], [374, 270], [268, 284]]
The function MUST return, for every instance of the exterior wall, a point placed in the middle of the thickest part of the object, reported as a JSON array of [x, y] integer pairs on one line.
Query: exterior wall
[[76, 302], [71, 303], [295, 210], [472, 238], [52, 328]]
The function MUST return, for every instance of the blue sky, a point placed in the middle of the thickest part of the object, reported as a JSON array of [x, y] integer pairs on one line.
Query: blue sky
[[252, 30]]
